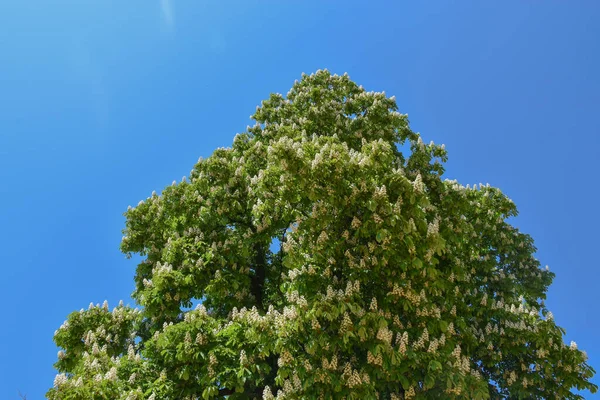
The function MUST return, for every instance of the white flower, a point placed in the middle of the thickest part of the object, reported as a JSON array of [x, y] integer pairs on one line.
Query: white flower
[[60, 379], [573, 345], [267, 394], [373, 305], [111, 375], [131, 352], [433, 228], [323, 237]]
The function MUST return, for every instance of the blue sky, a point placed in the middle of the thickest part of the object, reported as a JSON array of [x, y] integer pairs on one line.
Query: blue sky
[[102, 102]]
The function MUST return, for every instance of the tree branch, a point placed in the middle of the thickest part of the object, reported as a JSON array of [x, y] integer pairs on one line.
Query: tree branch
[[226, 392], [258, 279]]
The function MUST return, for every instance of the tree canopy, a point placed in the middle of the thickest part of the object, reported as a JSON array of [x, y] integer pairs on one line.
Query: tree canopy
[[329, 260]]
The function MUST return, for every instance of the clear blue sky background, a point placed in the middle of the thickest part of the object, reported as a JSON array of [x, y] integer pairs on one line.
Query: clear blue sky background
[[102, 102]]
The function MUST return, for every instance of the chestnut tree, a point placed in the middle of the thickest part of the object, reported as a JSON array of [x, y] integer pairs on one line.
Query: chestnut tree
[[328, 259]]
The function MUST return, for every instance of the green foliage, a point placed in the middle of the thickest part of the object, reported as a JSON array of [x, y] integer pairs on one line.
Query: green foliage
[[388, 283]]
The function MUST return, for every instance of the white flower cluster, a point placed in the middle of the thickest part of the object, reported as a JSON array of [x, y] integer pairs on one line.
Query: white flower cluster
[[243, 358], [403, 340], [418, 184], [573, 346], [346, 324], [373, 305], [330, 365], [435, 343], [375, 360], [198, 313], [147, 283], [111, 375], [434, 227], [162, 269], [64, 325], [422, 341], [291, 387], [352, 288], [60, 380], [285, 358], [385, 335], [380, 193], [293, 297], [511, 377], [353, 378]]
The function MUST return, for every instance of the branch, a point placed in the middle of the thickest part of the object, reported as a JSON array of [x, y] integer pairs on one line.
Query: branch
[[226, 392], [258, 280]]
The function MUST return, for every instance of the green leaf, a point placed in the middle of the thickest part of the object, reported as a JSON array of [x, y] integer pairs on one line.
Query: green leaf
[[443, 326], [404, 382], [435, 365], [362, 333], [371, 205], [417, 263], [429, 382]]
